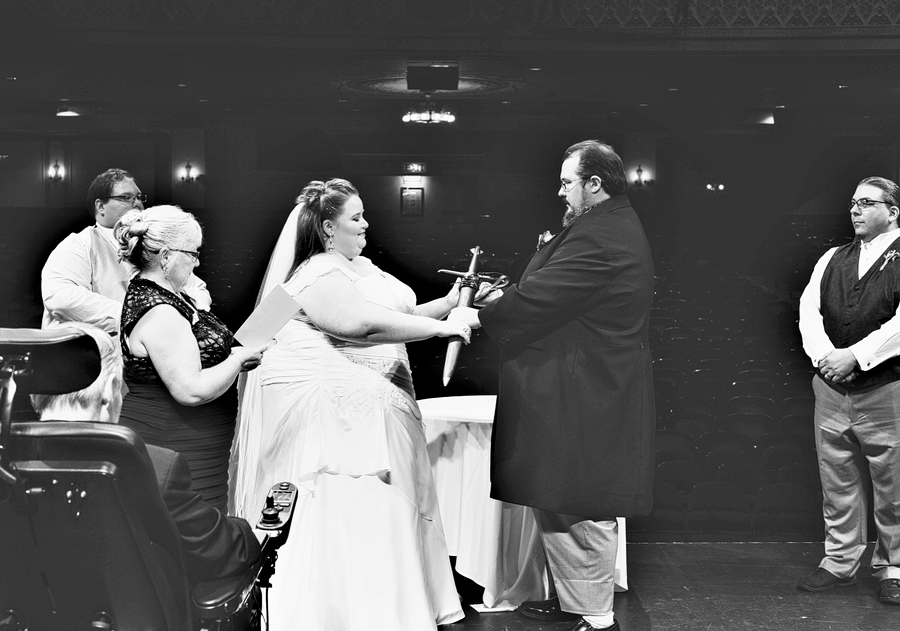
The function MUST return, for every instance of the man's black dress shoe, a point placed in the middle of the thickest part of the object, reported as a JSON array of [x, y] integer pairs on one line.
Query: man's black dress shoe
[[545, 611], [583, 625], [822, 580], [889, 591]]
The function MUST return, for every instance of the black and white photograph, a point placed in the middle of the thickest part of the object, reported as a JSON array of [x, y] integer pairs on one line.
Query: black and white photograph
[[460, 315]]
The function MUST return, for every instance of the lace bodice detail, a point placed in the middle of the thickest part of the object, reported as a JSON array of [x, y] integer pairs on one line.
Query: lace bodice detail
[[214, 339]]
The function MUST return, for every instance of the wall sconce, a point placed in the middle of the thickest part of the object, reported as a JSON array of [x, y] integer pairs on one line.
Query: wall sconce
[[187, 173], [639, 179], [56, 172]]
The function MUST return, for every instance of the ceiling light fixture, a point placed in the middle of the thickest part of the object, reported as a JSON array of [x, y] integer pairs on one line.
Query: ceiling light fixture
[[427, 112], [63, 110]]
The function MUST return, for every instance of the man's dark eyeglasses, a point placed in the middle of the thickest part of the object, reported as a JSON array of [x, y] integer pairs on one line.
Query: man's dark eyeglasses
[[864, 202], [129, 199]]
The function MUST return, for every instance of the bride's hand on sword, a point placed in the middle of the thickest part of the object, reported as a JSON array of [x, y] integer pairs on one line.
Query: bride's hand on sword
[[455, 328], [485, 295]]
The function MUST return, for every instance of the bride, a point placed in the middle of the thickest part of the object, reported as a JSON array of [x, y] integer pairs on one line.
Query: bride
[[332, 410]]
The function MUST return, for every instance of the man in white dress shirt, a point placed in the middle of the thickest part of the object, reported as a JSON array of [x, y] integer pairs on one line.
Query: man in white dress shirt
[[850, 323], [83, 279]]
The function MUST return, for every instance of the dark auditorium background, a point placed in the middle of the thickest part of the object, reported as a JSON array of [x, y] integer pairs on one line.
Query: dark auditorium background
[[750, 122]]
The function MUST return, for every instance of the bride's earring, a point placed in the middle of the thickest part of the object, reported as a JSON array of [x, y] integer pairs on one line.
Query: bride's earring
[[330, 245]]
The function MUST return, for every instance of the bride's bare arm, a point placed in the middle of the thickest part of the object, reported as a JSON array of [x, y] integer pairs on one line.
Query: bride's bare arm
[[337, 308], [440, 307]]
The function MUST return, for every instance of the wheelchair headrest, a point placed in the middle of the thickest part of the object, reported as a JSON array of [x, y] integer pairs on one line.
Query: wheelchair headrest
[[60, 360]]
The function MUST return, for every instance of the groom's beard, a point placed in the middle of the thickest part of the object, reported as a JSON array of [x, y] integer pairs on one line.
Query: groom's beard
[[574, 212]]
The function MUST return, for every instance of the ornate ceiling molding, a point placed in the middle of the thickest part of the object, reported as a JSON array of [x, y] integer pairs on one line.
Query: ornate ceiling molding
[[682, 18]]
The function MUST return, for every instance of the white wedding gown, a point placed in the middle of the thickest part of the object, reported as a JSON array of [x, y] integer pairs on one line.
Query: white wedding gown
[[340, 420]]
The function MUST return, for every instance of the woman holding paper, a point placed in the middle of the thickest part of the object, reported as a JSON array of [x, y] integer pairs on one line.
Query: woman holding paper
[[180, 361], [332, 409]]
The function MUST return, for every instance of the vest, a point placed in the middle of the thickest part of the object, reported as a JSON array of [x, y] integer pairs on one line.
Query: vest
[[109, 276], [854, 307]]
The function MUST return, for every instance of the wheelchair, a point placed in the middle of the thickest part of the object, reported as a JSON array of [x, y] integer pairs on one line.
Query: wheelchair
[[86, 541]]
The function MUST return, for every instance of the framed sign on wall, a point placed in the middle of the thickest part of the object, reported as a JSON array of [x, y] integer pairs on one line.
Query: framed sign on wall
[[412, 201]]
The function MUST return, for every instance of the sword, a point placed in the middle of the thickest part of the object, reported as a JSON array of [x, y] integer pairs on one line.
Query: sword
[[467, 289]]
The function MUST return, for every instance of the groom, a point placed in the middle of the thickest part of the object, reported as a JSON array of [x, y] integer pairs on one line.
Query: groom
[[574, 425]]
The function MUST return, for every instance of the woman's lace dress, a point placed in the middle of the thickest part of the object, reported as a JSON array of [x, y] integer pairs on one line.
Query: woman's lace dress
[[203, 433], [340, 420]]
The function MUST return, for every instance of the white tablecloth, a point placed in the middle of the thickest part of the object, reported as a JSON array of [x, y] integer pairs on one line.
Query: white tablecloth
[[496, 544]]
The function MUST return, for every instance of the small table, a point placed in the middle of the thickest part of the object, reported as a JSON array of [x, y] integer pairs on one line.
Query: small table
[[496, 544]]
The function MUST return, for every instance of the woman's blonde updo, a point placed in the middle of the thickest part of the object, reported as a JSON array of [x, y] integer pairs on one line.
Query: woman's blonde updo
[[318, 201], [143, 233]]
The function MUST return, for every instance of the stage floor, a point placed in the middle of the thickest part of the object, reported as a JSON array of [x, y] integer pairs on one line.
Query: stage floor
[[725, 587]]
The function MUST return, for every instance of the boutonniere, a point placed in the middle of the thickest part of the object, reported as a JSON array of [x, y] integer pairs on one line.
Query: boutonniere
[[544, 238], [889, 256]]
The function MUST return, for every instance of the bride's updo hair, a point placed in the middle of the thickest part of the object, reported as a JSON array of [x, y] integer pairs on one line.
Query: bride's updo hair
[[143, 233], [318, 201]]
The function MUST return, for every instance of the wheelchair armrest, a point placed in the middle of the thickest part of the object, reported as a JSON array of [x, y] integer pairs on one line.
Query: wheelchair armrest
[[221, 598]]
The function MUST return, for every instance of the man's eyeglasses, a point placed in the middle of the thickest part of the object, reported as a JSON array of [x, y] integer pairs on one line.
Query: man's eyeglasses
[[192, 253], [864, 202], [566, 185], [129, 199]]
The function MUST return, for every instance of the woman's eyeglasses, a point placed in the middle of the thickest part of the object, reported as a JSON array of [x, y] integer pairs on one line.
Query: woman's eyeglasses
[[192, 253]]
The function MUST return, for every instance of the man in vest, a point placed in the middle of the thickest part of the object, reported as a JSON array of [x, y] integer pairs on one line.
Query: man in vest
[[850, 323], [83, 279]]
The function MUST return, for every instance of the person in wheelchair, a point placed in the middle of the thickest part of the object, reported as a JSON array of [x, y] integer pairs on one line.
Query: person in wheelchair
[[215, 545]]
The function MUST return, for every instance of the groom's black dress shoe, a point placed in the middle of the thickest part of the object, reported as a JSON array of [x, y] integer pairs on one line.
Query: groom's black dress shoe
[[545, 611], [583, 625]]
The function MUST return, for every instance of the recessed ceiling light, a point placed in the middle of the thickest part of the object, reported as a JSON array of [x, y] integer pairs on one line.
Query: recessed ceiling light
[[779, 107], [10, 78], [843, 87], [614, 112], [504, 102], [204, 100], [642, 105], [535, 69], [182, 85], [673, 89]]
